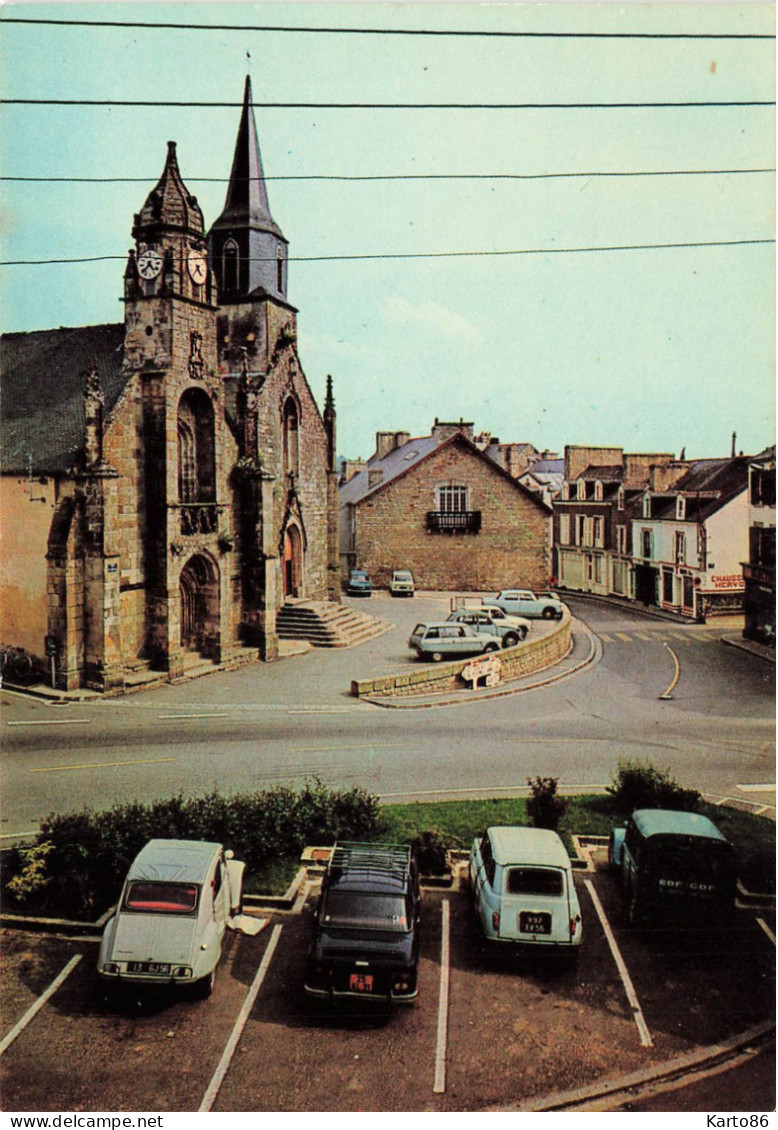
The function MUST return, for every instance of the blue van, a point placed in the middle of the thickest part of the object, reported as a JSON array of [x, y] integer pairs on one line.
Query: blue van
[[674, 866]]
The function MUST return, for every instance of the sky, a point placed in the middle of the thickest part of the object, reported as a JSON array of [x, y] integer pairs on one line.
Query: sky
[[402, 295]]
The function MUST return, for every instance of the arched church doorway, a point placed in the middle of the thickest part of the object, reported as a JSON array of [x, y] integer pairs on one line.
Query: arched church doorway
[[198, 587], [293, 562]]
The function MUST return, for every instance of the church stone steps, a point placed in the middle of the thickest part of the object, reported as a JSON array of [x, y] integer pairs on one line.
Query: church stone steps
[[326, 624]]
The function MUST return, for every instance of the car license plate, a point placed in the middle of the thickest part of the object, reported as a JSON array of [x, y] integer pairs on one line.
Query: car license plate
[[361, 982], [160, 968], [534, 922]]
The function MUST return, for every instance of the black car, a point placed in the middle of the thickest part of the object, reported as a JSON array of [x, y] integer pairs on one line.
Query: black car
[[365, 941]]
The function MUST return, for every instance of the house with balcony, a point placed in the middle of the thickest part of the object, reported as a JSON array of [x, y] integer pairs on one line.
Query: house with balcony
[[690, 538], [759, 569], [447, 510]]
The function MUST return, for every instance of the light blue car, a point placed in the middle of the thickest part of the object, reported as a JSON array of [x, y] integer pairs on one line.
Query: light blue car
[[524, 602], [442, 639]]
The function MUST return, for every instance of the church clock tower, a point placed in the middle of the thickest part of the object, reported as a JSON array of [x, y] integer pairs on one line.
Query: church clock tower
[[184, 511]]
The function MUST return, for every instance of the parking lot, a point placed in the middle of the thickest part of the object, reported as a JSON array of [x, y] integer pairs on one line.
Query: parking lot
[[486, 1031]]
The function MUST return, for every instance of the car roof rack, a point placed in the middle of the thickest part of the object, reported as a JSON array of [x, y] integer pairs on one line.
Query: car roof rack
[[377, 859]]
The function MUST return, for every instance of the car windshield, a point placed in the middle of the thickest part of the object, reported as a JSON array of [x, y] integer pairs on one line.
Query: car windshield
[[352, 910], [162, 898], [534, 881], [402, 577], [355, 576]]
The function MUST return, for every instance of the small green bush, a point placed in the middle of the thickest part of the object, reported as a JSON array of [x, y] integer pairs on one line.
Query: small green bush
[[641, 784], [544, 807], [83, 868]]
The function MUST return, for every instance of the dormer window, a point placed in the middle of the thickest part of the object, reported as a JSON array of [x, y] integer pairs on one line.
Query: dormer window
[[680, 508], [646, 505], [598, 491], [620, 499], [581, 490], [565, 492]]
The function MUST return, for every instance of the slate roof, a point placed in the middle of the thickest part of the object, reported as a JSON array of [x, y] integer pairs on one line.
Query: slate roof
[[409, 455], [392, 465], [42, 389], [607, 474], [708, 485]]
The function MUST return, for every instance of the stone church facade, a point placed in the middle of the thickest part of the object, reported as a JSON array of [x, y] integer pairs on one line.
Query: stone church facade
[[187, 475]]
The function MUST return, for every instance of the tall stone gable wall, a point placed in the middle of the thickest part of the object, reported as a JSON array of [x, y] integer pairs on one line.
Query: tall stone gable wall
[[310, 484], [512, 547]]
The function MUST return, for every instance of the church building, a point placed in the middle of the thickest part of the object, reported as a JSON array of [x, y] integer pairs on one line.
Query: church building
[[170, 481]]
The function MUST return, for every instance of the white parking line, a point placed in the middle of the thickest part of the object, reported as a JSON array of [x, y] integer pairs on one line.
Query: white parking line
[[757, 788], [218, 1076], [645, 1035], [767, 930], [31, 1012], [187, 717], [440, 1050]]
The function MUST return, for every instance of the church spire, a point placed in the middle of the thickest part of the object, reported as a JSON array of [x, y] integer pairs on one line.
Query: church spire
[[248, 248]]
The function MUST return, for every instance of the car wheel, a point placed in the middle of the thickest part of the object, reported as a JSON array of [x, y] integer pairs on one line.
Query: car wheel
[[510, 639], [204, 987], [491, 647], [549, 614], [436, 657], [523, 633]]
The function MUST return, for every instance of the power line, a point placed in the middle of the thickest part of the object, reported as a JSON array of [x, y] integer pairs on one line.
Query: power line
[[430, 32], [404, 176], [430, 254], [381, 105]]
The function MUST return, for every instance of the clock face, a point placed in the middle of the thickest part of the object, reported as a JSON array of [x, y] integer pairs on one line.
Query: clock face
[[198, 266], [149, 264]]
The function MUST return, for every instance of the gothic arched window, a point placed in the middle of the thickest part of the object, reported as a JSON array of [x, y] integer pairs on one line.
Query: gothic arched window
[[196, 455], [291, 424]]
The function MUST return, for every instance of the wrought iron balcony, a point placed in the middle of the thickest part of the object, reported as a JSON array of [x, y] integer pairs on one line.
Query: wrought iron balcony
[[199, 518], [453, 522]]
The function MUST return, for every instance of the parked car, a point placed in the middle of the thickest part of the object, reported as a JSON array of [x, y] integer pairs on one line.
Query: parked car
[[401, 583], [521, 882], [674, 866], [479, 619], [169, 924], [359, 583], [367, 925], [523, 602], [497, 614], [439, 639]]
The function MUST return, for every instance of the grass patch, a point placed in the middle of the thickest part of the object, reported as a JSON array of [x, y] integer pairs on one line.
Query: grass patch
[[273, 876], [457, 823]]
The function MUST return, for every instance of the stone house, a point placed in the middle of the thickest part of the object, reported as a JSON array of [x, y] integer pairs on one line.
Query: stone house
[[169, 481], [593, 514], [443, 508]]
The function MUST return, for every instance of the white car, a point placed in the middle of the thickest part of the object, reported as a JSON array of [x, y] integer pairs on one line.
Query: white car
[[168, 927], [521, 880], [523, 602], [401, 583]]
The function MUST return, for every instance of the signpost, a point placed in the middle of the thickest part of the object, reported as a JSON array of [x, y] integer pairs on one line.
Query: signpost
[[486, 667]]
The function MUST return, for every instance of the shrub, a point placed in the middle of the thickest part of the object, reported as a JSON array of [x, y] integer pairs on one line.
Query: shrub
[[544, 807], [641, 784], [87, 854], [431, 852]]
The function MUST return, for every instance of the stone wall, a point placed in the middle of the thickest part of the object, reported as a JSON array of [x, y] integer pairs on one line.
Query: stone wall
[[442, 678]]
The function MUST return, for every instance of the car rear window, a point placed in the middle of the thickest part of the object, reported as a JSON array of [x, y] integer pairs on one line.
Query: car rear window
[[162, 898], [534, 881], [349, 910]]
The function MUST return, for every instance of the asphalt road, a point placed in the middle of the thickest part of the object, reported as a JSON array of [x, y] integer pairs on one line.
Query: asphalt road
[[295, 719]]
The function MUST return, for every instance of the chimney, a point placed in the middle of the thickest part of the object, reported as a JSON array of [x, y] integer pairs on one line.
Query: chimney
[[734, 438], [442, 431], [387, 442], [351, 467]]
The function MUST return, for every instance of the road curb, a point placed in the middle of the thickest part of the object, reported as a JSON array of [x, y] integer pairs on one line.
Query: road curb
[[649, 1075]]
